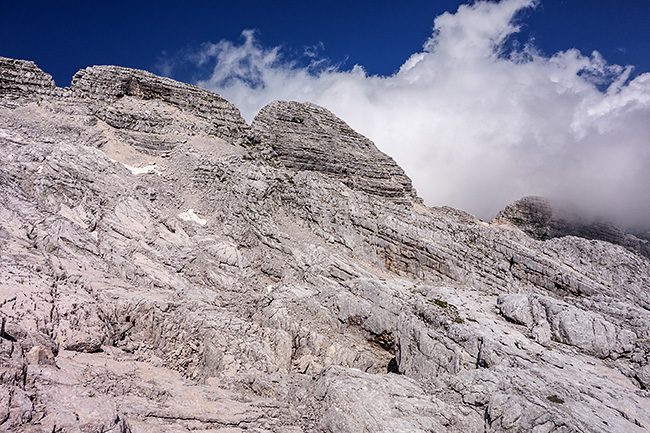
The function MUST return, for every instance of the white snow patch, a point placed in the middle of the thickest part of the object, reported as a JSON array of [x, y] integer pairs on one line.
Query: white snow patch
[[190, 216], [144, 170]]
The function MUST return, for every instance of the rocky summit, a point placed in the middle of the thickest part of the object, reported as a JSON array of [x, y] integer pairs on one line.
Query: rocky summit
[[166, 267]]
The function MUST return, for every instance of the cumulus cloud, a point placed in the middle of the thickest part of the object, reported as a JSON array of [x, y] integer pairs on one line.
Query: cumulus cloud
[[474, 120]]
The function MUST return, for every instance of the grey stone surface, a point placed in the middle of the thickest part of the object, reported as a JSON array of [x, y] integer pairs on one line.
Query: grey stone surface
[[543, 220], [585, 330], [22, 81], [109, 84], [155, 277], [308, 137]]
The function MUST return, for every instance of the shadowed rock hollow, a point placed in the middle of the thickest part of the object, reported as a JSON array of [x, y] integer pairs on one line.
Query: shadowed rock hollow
[[166, 267]]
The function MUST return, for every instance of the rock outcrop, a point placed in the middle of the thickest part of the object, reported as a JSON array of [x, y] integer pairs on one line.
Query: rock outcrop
[[157, 276], [109, 84], [538, 218], [308, 137], [22, 81]]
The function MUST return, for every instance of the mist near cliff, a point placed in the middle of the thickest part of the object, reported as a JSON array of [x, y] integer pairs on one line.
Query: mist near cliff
[[475, 119]]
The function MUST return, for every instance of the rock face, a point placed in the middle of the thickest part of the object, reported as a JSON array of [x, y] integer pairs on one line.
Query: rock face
[[160, 274], [109, 84], [309, 137], [22, 81], [538, 218]]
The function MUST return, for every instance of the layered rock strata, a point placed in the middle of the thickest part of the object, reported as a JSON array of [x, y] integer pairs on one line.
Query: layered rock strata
[[538, 218], [22, 81], [108, 84], [216, 287], [308, 137]]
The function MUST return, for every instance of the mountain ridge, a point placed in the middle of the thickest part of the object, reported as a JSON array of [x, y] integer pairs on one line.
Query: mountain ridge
[[157, 252], [542, 220]]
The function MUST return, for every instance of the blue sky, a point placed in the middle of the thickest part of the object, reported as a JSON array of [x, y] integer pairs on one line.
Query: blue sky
[[63, 37], [481, 103]]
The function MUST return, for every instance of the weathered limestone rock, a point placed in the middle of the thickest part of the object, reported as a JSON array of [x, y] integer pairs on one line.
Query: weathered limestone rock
[[587, 331], [353, 401], [154, 277], [308, 137], [538, 218], [109, 84], [21, 81]]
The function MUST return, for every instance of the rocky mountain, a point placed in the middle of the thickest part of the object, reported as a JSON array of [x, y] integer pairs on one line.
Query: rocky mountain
[[166, 267], [542, 220]]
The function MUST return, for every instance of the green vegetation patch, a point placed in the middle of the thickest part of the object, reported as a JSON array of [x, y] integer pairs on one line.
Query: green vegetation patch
[[450, 309], [442, 304]]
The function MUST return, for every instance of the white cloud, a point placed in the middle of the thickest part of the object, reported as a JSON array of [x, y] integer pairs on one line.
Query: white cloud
[[475, 124]]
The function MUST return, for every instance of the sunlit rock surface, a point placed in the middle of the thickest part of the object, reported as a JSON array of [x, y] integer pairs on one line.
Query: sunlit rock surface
[[309, 137], [166, 267]]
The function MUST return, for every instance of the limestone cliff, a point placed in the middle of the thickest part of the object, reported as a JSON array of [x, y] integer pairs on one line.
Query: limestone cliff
[[22, 81], [539, 218], [166, 267], [308, 137]]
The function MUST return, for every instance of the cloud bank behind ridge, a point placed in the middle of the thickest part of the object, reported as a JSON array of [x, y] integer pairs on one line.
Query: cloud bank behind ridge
[[475, 120]]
